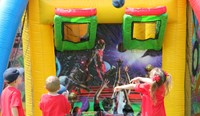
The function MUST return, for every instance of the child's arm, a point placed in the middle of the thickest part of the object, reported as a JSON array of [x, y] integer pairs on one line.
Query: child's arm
[[14, 111], [142, 79], [128, 86], [104, 84], [128, 80], [66, 94]]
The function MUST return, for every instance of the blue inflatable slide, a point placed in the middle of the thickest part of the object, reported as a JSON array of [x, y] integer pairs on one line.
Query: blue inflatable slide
[[11, 12]]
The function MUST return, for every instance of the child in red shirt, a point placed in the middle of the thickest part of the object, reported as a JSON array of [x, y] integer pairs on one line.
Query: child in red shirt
[[52, 103], [11, 97], [153, 90]]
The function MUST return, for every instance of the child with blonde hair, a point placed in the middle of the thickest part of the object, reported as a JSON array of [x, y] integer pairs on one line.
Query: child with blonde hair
[[52, 103], [154, 88]]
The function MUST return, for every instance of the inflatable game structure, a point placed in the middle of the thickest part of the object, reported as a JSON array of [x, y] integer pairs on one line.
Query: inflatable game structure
[[53, 27]]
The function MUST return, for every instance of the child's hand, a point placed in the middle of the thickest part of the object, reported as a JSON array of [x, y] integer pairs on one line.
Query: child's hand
[[126, 69], [117, 88], [66, 93], [105, 83]]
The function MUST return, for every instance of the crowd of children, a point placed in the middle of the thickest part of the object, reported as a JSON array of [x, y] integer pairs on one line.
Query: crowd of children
[[152, 89]]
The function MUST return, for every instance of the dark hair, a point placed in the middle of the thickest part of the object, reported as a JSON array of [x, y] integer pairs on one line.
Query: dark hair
[[100, 113], [127, 110], [107, 104], [76, 111]]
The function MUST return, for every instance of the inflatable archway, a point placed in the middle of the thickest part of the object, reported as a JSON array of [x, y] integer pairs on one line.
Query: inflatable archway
[[39, 42]]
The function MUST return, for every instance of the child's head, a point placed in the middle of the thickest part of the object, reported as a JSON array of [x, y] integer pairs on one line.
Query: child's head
[[159, 78], [149, 67], [76, 111], [72, 97], [52, 84], [12, 75], [127, 110], [107, 104]]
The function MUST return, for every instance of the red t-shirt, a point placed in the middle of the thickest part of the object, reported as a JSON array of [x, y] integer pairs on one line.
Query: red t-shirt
[[54, 105], [11, 97], [148, 107]]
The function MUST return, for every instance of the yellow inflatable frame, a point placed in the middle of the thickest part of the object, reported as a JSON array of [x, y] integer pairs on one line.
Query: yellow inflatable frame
[[39, 54]]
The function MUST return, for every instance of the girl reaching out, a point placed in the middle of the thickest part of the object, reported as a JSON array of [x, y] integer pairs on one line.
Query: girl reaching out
[[153, 89]]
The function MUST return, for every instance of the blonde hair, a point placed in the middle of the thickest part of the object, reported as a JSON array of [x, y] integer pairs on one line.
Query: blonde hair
[[52, 84], [159, 78]]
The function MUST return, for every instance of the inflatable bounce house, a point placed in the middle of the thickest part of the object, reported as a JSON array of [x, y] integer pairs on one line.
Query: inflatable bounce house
[[85, 42]]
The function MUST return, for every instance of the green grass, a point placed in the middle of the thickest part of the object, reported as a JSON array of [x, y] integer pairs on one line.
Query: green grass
[[91, 112]]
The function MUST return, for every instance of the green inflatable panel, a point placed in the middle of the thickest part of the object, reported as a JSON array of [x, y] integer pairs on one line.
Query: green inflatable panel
[[151, 43], [62, 44]]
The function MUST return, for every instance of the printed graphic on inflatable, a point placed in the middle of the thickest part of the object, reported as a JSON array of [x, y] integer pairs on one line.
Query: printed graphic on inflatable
[[84, 71], [195, 78]]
